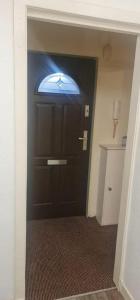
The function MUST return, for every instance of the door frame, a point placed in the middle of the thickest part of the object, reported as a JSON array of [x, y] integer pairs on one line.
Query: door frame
[[95, 18]]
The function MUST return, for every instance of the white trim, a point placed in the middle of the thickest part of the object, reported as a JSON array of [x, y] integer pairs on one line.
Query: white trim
[[90, 11], [87, 294], [57, 12], [20, 52], [81, 21], [125, 293], [133, 130]]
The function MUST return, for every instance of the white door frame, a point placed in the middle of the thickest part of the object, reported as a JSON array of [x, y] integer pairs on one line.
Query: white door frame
[[90, 16]]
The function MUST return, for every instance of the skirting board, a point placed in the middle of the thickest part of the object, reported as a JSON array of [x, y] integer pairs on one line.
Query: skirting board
[[125, 293], [86, 294], [123, 290]]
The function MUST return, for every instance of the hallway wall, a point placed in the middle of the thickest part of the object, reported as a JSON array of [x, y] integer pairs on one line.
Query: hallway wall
[[131, 13], [7, 155], [113, 80]]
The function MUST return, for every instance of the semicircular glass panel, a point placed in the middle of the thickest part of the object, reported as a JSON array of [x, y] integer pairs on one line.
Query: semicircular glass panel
[[58, 83]]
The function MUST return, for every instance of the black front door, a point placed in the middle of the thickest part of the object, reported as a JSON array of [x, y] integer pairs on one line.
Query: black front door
[[60, 102]]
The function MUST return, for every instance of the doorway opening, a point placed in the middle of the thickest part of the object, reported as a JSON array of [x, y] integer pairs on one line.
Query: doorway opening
[[67, 133]]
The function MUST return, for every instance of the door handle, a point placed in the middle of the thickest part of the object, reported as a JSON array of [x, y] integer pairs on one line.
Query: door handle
[[84, 139]]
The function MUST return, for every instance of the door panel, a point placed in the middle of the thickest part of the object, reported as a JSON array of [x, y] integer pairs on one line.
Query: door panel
[[72, 128], [41, 184], [57, 129], [57, 164], [43, 129], [56, 187]]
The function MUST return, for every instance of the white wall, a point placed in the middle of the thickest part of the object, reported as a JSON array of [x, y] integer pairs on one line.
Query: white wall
[[129, 4], [7, 135], [113, 81], [131, 274], [7, 155]]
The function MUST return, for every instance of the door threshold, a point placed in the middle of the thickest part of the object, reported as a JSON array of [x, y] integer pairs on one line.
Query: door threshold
[[86, 294]]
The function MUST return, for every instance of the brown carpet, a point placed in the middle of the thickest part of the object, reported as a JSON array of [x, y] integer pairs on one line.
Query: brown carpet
[[68, 256]]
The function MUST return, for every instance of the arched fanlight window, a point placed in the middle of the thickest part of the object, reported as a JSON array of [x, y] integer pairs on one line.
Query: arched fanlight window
[[58, 83]]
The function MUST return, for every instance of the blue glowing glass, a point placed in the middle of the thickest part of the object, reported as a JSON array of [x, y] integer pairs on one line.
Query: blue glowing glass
[[58, 83]]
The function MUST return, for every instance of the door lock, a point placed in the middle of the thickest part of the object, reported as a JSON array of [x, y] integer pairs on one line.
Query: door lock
[[84, 139], [86, 111]]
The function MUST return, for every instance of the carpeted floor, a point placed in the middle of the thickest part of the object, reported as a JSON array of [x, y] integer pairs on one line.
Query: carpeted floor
[[68, 256]]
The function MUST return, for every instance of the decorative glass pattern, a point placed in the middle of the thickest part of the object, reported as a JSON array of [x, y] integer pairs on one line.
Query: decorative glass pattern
[[58, 83]]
